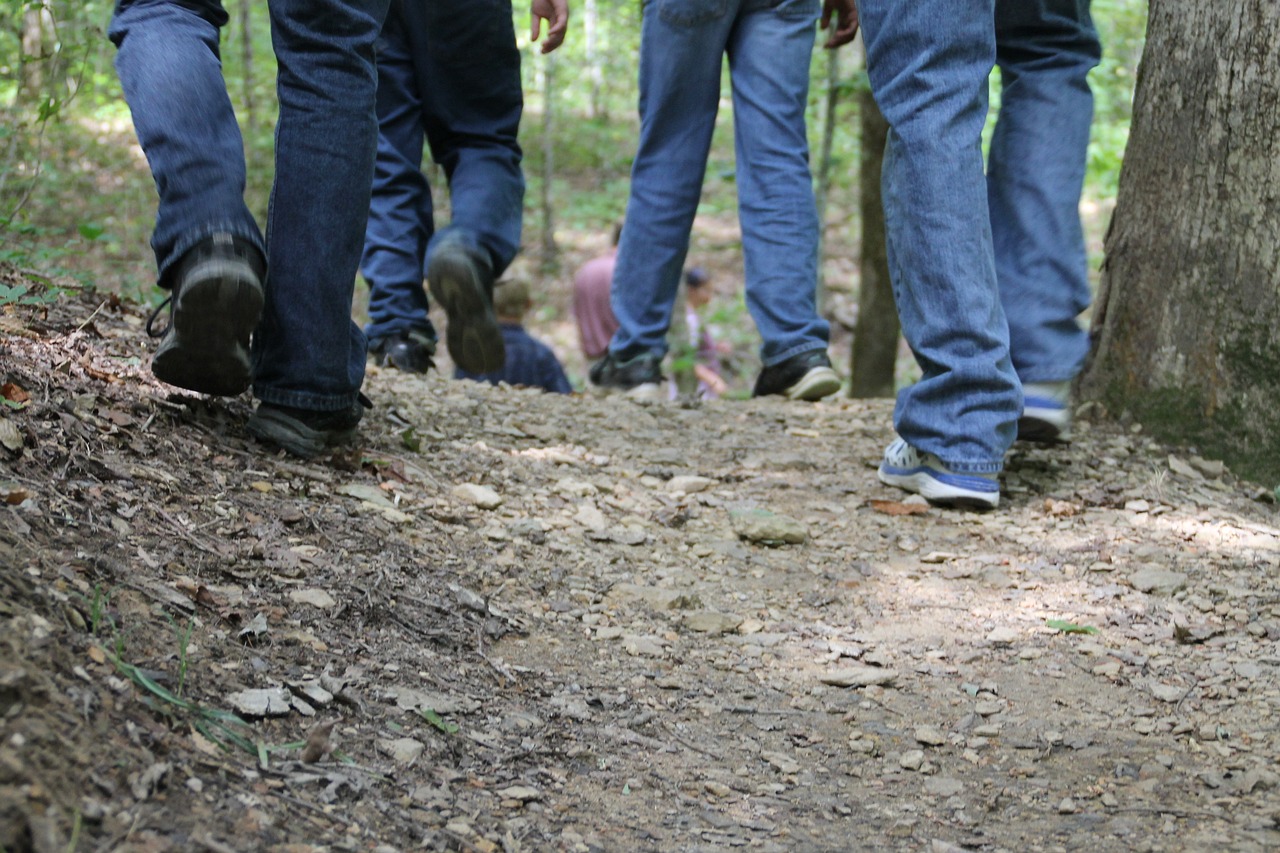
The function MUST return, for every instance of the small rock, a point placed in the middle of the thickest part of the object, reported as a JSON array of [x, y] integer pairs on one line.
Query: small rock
[[858, 676], [912, 759], [1003, 636], [712, 622], [1157, 581], [523, 793], [269, 702], [479, 496], [943, 786], [1067, 806], [782, 763], [690, 485], [930, 736], [767, 528], [1167, 692], [403, 750], [315, 597]]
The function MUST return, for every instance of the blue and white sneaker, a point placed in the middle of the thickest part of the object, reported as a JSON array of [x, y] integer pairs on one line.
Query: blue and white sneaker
[[923, 473], [1046, 412]]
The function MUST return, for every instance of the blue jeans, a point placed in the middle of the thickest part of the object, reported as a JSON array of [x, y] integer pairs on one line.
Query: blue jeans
[[928, 67], [306, 351], [769, 44], [449, 73]]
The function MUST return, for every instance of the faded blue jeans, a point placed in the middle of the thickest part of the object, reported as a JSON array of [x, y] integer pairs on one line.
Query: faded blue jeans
[[682, 44], [307, 353], [449, 72], [959, 289]]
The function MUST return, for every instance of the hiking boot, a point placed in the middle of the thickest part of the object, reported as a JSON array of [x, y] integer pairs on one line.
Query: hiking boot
[[923, 473], [1046, 413], [215, 305], [411, 351], [639, 377], [306, 432], [805, 376], [462, 284]]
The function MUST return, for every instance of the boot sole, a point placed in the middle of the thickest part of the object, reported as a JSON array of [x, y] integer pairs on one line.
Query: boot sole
[[294, 436], [817, 383], [940, 493], [214, 314], [473, 337]]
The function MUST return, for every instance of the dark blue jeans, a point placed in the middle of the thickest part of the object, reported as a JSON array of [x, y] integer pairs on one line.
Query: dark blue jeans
[[449, 75], [306, 352]]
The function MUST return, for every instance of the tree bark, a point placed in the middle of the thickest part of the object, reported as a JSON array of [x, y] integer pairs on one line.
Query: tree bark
[[1187, 326], [876, 333]]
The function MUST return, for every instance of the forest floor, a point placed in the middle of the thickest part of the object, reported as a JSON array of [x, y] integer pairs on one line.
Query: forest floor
[[512, 621]]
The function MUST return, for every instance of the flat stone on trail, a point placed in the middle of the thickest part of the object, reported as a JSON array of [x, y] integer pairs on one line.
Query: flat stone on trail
[[404, 750], [1167, 692], [712, 622], [477, 495], [690, 484], [943, 786], [767, 528], [268, 702], [315, 597], [1003, 636], [859, 676], [1157, 581], [930, 736]]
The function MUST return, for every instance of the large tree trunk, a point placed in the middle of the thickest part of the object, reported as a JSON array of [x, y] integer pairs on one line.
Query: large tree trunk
[[1187, 326], [875, 336]]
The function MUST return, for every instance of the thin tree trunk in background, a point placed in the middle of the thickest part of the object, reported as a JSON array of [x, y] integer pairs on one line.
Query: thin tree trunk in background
[[876, 332], [591, 29], [249, 117], [547, 68], [1187, 323], [822, 192]]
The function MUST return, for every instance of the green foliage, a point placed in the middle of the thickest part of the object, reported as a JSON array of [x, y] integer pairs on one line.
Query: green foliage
[[1070, 627]]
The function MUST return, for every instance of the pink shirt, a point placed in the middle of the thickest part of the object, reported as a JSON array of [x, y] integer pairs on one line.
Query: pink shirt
[[591, 308]]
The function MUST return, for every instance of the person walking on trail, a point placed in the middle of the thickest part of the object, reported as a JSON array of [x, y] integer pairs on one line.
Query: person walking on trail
[[988, 269], [530, 363], [224, 280], [769, 44], [449, 75]]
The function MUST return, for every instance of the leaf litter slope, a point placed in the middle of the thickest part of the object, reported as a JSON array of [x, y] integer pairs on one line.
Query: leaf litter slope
[[555, 625]]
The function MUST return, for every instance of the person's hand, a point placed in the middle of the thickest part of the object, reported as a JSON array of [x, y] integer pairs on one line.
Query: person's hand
[[846, 15], [714, 381], [556, 14]]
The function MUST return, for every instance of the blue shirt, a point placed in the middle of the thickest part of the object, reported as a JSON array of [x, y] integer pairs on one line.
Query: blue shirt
[[529, 362]]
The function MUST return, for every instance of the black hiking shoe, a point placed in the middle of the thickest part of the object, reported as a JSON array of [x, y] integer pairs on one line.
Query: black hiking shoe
[[639, 377], [806, 376], [215, 304], [412, 351], [463, 285], [306, 432]]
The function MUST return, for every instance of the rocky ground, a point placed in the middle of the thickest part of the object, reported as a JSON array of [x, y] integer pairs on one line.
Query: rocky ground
[[522, 622]]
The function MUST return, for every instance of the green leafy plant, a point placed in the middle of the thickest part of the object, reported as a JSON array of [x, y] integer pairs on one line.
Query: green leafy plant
[[20, 294]]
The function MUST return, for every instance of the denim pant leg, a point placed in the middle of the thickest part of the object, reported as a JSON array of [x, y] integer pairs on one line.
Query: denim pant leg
[[928, 63], [769, 55], [1035, 173], [682, 45], [307, 351], [400, 209], [171, 74], [468, 71]]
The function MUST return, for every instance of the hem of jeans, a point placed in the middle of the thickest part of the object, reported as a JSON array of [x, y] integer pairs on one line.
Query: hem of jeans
[[956, 467], [305, 400], [192, 236], [798, 349], [391, 327]]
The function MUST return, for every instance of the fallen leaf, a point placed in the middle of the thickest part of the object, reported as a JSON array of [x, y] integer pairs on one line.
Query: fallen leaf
[[14, 394]]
